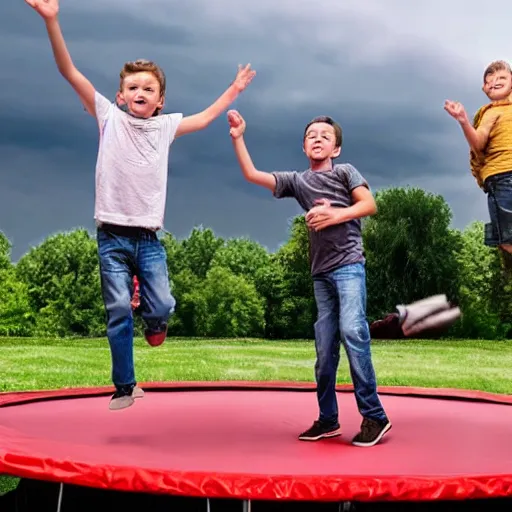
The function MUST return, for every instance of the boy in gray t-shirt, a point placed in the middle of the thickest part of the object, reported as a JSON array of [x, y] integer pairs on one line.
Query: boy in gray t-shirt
[[335, 197]]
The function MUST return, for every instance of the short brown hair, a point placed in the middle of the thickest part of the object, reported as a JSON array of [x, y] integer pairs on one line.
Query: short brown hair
[[148, 66], [497, 65], [328, 120]]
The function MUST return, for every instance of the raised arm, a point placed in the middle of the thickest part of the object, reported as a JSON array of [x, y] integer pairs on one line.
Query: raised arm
[[201, 120], [49, 10], [477, 137], [251, 174]]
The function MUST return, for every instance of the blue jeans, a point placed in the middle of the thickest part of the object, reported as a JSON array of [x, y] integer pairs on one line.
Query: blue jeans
[[341, 302], [124, 252], [499, 202]]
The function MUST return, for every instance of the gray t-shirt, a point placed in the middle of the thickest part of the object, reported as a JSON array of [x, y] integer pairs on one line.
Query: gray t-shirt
[[336, 245]]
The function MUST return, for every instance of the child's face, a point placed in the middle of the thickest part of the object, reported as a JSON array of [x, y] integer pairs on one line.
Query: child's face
[[498, 85], [320, 142], [141, 94]]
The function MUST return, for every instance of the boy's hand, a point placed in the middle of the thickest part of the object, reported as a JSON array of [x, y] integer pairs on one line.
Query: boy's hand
[[236, 123], [48, 9], [456, 110], [323, 215], [243, 77]]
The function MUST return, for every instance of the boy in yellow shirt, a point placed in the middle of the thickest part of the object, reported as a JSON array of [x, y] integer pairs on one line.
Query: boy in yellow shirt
[[490, 140]]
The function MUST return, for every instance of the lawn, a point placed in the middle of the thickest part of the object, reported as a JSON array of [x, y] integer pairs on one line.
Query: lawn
[[31, 364]]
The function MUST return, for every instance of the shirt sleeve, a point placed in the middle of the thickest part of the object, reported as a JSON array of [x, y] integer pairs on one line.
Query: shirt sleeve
[[286, 184], [102, 106], [354, 178], [173, 122]]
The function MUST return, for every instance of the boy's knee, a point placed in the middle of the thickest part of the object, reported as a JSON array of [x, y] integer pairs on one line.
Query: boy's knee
[[357, 337], [162, 309], [118, 310]]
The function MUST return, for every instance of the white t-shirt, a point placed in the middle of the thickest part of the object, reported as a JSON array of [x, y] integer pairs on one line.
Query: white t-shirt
[[132, 166]]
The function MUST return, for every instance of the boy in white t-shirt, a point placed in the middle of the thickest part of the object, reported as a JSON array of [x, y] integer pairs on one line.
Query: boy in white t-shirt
[[131, 183]]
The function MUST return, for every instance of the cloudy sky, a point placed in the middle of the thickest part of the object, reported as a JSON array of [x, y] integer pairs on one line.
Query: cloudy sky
[[382, 69]]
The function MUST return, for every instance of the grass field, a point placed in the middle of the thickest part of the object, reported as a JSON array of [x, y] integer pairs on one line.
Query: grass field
[[32, 364]]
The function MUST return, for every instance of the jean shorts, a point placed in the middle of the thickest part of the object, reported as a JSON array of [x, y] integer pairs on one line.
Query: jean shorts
[[499, 201]]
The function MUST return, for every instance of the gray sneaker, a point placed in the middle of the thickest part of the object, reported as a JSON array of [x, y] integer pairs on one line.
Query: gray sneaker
[[122, 399], [138, 392], [371, 432]]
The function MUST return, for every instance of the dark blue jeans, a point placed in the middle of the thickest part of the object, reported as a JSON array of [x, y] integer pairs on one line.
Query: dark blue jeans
[[341, 302], [499, 202], [124, 252]]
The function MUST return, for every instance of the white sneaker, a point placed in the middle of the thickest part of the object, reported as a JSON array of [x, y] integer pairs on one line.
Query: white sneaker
[[120, 401]]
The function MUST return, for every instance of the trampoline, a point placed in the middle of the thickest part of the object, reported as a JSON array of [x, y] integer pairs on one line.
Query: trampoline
[[239, 441]]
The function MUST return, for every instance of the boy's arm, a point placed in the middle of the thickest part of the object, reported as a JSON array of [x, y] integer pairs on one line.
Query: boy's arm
[[324, 214], [201, 120], [250, 172], [49, 10], [477, 137]]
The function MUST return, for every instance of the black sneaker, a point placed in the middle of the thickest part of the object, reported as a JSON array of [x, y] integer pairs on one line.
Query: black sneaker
[[320, 430], [122, 399], [371, 432]]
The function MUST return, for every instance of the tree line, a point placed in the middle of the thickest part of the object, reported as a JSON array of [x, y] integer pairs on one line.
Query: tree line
[[237, 288]]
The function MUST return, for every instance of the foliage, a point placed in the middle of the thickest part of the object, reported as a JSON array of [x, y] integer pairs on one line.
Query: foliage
[[238, 288], [483, 287], [410, 249], [63, 283], [227, 305], [16, 316]]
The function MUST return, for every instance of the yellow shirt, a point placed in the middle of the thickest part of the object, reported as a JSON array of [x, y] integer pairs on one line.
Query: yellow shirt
[[496, 157]]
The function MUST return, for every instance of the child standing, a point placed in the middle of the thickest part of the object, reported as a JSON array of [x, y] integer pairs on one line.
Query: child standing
[[131, 183], [335, 197]]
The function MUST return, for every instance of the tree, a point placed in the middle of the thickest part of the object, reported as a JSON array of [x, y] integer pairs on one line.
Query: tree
[[175, 255], [199, 249], [185, 287], [227, 305], [483, 290], [62, 277], [290, 291], [410, 249], [16, 316], [5, 252], [242, 256]]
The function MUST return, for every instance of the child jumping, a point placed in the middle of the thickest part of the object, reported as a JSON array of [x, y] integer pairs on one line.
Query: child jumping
[[131, 183], [490, 141], [337, 268]]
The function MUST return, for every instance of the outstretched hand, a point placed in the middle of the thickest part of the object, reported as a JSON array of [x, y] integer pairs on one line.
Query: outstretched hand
[[236, 123], [48, 9], [323, 215], [456, 110], [243, 77]]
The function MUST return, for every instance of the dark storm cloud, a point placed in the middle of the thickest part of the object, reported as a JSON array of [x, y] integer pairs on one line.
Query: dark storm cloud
[[395, 130]]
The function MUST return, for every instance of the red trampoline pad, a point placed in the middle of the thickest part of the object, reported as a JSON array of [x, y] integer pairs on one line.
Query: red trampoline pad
[[240, 441]]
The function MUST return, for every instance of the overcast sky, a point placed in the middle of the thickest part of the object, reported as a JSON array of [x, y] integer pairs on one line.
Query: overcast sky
[[382, 69]]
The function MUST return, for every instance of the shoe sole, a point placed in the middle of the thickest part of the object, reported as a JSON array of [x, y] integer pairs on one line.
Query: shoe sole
[[334, 433], [384, 431]]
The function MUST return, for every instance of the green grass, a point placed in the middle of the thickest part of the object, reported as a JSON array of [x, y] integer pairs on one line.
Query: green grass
[[29, 364], [35, 364]]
